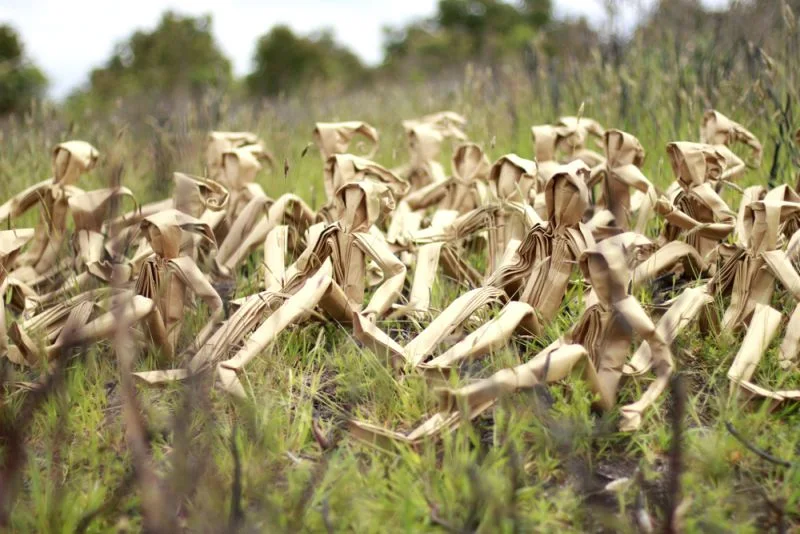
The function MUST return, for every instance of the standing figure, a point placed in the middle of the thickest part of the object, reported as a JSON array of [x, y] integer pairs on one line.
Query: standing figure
[[335, 137], [564, 142], [599, 341], [158, 298], [330, 273], [534, 279], [694, 210], [40, 261], [721, 132], [11, 242], [425, 137], [617, 175], [749, 274]]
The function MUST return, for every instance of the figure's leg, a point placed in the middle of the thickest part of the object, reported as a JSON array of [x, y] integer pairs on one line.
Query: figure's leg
[[667, 257], [419, 299], [491, 336], [791, 341], [275, 257], [682, 312], [556, 360], [297, 307], [553, 363], [457, 268], [229, 335], [430, 427], [762, 329], [253, 213], [287, 206], [404, 223], [247, 245], [137, 309], [459, 311], [73, 285]]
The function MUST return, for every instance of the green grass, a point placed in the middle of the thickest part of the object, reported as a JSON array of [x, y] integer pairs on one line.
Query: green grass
[[539, 462]]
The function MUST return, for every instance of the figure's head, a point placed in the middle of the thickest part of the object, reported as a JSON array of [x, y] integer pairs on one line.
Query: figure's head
[[623, 149], [764, 221], [239, 168], [164, 231], [566, 194], [608, 264], [512, 178], [695, 163], [470, 163], [718, 129], [90, 210], [574, 131], [334, 137], [221, 142], [341, 169], [426, 134], [71, 159], [194, 195], [363, 204]]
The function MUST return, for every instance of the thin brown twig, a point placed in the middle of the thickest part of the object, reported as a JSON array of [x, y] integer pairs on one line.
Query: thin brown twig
[[759, 452]]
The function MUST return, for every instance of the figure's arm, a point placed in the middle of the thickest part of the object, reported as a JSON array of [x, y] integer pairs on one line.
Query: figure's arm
[[23, 201], [734, 167], [632, 176], [293, 206], [194, 279], [716, 231], [661, 360], [394, 273], [427, 195], [743, 135]]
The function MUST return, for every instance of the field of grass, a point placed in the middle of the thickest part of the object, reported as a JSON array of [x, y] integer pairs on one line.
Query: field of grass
[[281, 460]]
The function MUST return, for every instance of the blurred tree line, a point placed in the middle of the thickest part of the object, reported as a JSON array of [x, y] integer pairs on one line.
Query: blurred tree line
[[20, 81], [180, 57]]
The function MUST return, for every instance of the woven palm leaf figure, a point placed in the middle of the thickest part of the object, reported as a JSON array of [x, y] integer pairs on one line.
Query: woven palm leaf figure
[[101, 243], [335, 137], [617, 176], [11, 243], [564, 142], [534, 279], [463, 208], [251, 213], [329, 274], [93, 262], [40, 264], [723, 133], [697, 219], [598, 345], [749, 272], [425, 137], [157, 299]]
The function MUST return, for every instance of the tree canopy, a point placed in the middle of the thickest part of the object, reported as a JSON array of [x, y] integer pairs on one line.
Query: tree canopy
[[20, 81], [286, 62], [179, 55], [465, 30]]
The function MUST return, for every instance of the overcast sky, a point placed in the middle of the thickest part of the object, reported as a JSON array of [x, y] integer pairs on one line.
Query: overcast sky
[[68, 38]]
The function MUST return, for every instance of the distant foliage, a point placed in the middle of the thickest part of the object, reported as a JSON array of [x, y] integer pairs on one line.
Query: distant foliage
[[20, 81], [179, 56], [465, 30], [285, 62]]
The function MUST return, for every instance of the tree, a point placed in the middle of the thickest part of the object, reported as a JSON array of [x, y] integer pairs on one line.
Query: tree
[[20, 81], [466, 30], [180, 55], [285, 62]]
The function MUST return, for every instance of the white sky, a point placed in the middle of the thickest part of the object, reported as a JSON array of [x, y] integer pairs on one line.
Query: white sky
[[68, 38]]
